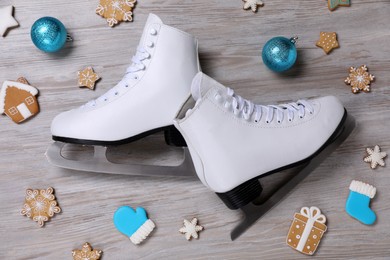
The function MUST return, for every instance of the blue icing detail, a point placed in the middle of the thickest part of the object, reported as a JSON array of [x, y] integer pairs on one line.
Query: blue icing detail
[[358, 206], [128, 221]]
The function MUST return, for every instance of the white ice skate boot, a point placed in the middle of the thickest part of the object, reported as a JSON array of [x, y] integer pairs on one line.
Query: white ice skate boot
[[145, 101], [234, 142]]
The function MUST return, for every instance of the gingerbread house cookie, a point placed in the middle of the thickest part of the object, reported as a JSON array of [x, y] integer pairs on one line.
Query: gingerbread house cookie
[[18, 101]]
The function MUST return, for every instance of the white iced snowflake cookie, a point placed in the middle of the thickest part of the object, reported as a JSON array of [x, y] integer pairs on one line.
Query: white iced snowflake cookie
[[191, 229], [252, 4], [375, 157]]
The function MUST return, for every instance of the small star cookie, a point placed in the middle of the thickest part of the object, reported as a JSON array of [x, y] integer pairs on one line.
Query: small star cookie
[[40, 205], [375, 157], [252, 4], [327, 41], [115, 11], [333, 4], [359, 79], [7, 21], [191, 229], [87, 78], [86, 253]]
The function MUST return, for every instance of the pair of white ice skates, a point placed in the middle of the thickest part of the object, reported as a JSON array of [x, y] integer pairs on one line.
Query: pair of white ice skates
[[232, 141]]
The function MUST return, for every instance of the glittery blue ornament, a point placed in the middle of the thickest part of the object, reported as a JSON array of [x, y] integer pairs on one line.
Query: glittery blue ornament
[[48, 34], [279, 54]]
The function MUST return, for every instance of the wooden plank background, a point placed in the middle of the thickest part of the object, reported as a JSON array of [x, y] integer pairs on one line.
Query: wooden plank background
[[230, 50]]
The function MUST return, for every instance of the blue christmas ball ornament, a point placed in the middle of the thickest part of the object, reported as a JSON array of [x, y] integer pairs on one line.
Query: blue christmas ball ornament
[[48, 34], [279, 54]]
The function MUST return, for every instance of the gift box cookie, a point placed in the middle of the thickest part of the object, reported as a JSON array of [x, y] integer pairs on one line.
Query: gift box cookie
[[306, 230]]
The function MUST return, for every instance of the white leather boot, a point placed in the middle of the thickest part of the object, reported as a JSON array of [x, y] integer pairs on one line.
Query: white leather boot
[[234, 142], [148, 97]]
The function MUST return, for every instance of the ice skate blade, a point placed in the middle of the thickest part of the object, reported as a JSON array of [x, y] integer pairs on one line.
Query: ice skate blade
[[253, 212], [100, 163]]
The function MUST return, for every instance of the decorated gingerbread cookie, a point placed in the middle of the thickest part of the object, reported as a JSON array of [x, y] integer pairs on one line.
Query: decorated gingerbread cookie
[[358, 202], [86, 253], [115, 11], [191, 228], [133, 223], [306, 230], [359, 79], [328, 41], [333, 4], [40, 205], [87, 78], [18, 100]]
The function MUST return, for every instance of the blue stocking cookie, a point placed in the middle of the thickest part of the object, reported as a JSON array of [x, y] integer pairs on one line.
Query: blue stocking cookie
[[358, 202]]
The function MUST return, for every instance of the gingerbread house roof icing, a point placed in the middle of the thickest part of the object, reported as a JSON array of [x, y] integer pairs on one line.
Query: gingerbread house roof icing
[[33, 91]]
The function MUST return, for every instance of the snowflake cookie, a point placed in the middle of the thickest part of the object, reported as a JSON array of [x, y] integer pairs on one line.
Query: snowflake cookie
[[87, 78], [86, 253], [359, 79], [40, 205], [116, 11], [191, 229], [375, 157], [252, 4]]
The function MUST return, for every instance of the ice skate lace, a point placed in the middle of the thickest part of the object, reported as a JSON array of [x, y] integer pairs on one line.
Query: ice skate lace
[[248, 108], [136, 65]]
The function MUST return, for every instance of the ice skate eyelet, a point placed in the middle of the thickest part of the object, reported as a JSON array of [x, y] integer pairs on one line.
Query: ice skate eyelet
[[279, 121], [126, 86], [116, 93], [290, 120], [153, 31], [105, 99], [150, 44], [300, 117], [267, 122]]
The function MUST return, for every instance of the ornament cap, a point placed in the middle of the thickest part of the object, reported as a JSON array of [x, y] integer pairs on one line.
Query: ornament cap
[[294, 39]]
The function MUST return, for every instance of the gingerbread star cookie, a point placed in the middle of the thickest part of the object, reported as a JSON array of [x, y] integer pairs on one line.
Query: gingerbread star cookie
[[359, 79], [40, 205], [7, 21], [86, 253], [328, 41], [375, 157], [87, 78], [115, 11], [333, 4], [252, 4]]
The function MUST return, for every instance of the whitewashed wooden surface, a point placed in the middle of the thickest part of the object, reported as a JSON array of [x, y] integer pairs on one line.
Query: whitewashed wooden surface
[[230, 50]]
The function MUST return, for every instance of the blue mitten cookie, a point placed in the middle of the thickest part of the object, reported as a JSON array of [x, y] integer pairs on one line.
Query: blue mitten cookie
[[133, 224], [358, 202]]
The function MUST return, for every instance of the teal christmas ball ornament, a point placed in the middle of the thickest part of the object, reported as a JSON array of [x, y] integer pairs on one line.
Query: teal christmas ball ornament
[[279, 54], [48, 34]]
